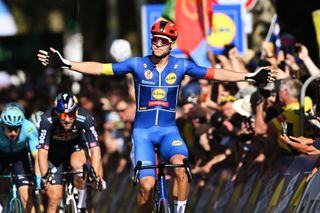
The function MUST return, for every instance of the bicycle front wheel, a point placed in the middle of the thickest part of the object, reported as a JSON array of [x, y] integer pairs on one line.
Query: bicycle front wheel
[[71, 207], [15, 206], [163, 207]]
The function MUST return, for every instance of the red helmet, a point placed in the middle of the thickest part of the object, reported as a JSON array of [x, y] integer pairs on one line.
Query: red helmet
[[165, 28]]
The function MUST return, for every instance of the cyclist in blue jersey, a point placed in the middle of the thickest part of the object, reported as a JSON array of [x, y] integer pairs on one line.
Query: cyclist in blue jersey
[[157, 80], [18, 137]]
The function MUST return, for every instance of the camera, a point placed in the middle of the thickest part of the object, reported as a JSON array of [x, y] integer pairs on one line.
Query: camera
[[227, 48]]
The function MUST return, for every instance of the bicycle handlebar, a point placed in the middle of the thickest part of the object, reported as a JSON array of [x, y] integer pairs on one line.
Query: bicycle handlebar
[[13, 176], [161, 165]]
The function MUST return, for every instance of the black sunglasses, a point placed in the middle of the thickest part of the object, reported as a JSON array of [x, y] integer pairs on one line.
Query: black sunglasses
[[12, 128]]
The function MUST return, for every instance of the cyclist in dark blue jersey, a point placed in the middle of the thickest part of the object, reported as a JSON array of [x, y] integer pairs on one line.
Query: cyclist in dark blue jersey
[[65, 131], [157, 80]]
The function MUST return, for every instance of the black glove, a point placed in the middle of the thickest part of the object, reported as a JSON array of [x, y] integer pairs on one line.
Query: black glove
[[53, 58], [261, 76], [47, 178]]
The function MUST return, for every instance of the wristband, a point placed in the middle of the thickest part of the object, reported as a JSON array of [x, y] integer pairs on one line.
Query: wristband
[[38, 181]]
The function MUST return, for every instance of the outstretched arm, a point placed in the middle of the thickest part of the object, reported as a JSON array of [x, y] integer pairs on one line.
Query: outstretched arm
[[262, 75], [54, 59]]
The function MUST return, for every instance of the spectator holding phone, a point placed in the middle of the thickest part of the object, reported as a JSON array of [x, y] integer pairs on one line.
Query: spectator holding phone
[[304, 56], [303, 145], [289, 93]]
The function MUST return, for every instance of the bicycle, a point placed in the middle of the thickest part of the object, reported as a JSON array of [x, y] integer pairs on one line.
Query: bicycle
[[70, 195], [15, 204], [159, 194]]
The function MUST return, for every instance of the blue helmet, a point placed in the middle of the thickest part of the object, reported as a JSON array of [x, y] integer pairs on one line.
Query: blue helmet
[[15, 104], [12, 116], [65, 102]]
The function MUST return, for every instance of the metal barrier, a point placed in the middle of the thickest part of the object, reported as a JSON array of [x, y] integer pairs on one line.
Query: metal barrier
[[302, 96]]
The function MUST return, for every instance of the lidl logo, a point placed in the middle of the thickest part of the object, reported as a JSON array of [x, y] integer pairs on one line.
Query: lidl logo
[[223, 32], [159, 94], [148, 74], [171, 78], [176, 143]]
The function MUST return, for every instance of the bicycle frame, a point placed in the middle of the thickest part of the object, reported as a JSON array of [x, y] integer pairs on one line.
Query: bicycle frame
[[160, 195], [161, 187], [15, 204], [70, 200]]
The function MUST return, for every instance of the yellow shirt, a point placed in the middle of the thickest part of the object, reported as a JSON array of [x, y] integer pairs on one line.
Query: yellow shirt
[[290, 115]]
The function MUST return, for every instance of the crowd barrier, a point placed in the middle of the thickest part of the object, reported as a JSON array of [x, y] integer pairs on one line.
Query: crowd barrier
[[282, 189]]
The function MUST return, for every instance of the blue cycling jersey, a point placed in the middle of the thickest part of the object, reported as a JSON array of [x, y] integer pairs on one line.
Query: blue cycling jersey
[[28, 134], [157, 95], [156, 92]]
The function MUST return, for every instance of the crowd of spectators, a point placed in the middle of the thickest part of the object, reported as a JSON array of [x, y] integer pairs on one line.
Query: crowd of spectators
[[231, 125]]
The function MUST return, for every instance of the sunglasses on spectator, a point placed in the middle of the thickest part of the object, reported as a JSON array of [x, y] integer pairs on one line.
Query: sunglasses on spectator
[[12, 128], [163, 41], [71, 115]]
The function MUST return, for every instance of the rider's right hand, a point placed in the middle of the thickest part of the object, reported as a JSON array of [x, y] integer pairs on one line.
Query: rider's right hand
[[46, 179], [53, 58]]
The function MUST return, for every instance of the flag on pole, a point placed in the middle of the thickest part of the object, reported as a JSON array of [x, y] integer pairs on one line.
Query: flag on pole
[[273, 35], [191, 18]]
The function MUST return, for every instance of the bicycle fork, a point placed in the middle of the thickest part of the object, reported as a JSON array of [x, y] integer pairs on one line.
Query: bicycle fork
[[71, 194], [14, 199]]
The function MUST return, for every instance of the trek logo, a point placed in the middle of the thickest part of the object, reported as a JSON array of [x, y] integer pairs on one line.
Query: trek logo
[[171, 78]]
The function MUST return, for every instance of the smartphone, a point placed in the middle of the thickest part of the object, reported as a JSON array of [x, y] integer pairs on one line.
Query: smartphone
[[214, 92], [297, 48], [227, 48], [287, 128]]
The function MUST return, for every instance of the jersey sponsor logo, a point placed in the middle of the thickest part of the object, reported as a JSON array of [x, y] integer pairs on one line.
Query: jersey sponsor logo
[[94, 132], [145, 65], [159, 94], [42, 136], [81, 118], [148, 74], [175, 66], [158, 103], [176, 143], [30, 129], [171, 78], [148, 82], [155, 98], [158, 98]]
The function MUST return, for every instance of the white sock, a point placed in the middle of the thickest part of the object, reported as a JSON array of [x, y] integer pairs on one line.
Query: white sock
[[179, 206], [82, 201]]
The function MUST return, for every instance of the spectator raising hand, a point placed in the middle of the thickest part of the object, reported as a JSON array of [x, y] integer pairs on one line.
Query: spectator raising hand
[[304, 56]]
